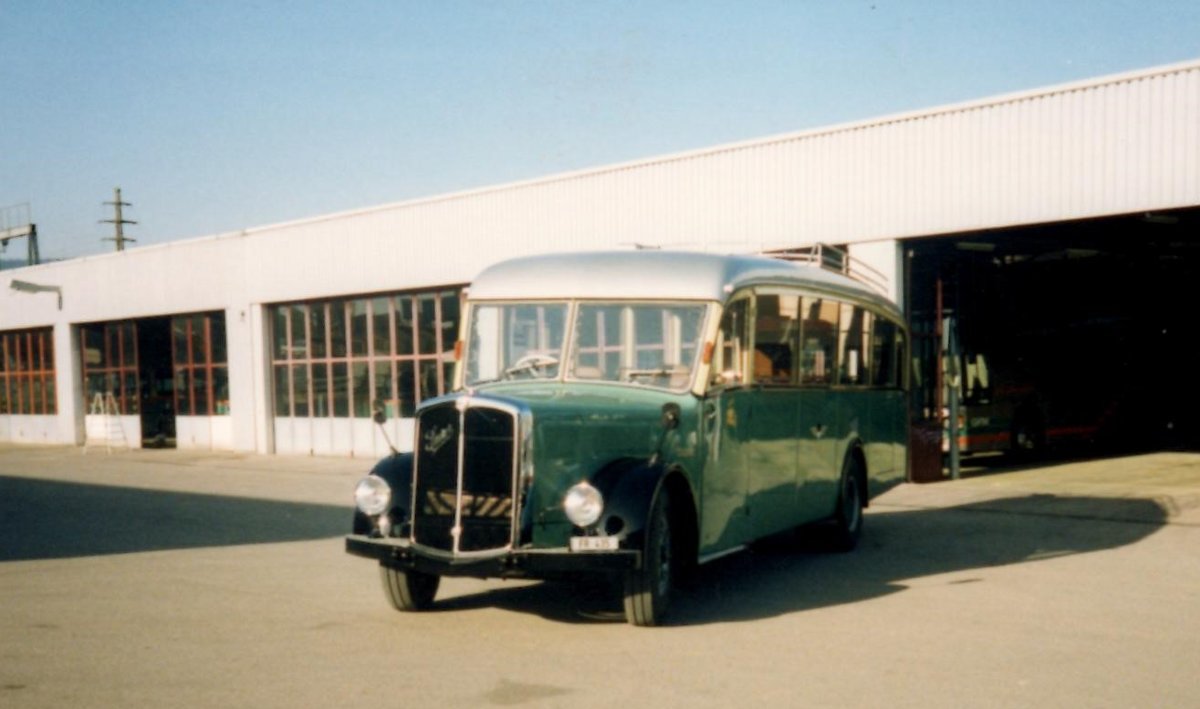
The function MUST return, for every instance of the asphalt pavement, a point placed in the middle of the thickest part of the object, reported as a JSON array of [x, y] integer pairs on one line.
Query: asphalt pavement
[[159, 577]]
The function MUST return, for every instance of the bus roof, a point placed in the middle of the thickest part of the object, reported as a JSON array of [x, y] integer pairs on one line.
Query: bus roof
[[657, 275]]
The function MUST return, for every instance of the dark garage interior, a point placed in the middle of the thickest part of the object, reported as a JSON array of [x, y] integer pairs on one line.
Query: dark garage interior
[[1067, 336]]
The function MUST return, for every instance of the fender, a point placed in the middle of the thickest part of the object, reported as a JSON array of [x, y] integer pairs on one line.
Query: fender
[[396, 471], [629, 487]]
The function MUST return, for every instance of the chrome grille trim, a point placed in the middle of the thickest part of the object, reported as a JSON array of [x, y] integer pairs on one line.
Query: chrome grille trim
[[464, 520]]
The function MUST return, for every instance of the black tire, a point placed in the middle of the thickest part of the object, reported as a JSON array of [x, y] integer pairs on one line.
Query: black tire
[[1028, 434], [848, 520], [408, 590], [648, 588]]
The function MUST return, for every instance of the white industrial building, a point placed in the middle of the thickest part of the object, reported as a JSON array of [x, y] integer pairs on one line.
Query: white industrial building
[[273, 339]]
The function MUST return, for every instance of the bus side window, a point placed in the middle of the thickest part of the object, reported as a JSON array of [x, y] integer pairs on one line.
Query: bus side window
[[775, 326], [729, 367], [886, 355], [818, 338], [853, 345]]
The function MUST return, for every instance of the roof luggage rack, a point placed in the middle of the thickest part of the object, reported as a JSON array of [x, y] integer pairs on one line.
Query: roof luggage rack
[[837, 260]]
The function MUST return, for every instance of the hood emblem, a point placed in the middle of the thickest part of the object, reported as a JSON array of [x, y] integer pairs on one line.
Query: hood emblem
[[436, 438]]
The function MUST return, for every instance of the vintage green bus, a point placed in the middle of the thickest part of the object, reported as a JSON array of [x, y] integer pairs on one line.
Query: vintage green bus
[[634, 414]]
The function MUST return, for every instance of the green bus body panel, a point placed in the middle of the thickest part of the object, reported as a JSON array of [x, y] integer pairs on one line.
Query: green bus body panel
[[759, 460]]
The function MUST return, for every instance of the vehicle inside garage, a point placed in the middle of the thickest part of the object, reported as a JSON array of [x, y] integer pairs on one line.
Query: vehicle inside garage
[[1068, 336]]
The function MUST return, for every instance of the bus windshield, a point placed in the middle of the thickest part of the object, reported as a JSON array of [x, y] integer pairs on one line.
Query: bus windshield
[[642, 343]]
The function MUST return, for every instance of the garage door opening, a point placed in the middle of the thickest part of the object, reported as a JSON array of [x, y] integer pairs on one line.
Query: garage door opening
[[1069, 337], [158, 382], [128, 382]]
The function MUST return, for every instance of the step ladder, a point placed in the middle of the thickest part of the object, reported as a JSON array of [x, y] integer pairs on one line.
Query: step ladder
[[111, 430]]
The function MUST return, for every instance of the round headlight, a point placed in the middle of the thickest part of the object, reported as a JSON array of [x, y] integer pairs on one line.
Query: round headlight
[[583, 505], [372, 495]]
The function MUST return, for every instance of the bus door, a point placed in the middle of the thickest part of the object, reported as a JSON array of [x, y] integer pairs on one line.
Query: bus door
[[728, 412]]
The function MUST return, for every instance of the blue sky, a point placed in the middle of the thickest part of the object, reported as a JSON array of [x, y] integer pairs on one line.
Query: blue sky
[[220, 115]]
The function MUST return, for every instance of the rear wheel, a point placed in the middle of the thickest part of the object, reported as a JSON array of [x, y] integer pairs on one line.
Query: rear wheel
[[408, 590], [648, 588], [848, 521]]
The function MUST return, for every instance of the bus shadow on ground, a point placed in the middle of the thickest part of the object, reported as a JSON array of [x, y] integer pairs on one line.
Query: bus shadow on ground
[[54, 520], [790, 574]]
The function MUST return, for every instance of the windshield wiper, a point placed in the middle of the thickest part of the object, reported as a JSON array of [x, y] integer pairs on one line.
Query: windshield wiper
[[532, 363]]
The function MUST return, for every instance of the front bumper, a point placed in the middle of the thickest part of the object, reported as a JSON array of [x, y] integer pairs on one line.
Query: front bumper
[[522, 563]]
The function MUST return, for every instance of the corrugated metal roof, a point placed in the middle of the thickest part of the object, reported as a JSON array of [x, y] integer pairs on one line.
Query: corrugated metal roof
[[1146, 109]]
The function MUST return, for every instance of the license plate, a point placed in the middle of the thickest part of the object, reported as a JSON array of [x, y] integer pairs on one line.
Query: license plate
[[593, 543]]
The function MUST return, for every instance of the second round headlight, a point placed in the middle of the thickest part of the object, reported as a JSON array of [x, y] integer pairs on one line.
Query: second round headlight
[[583, 504]]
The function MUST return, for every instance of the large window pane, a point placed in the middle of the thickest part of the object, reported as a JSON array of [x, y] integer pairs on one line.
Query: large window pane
[[283, 406], [299, 333], [406, 386], [337, 329], [23, 396], [382, 372], [216, 326], [427, 325], [183, 392], [360, 383], [320, 389], [405, 332], [316, 327], [51, 394], [450, 321], [93, 348], [220, 377], [129, 343], [200, 391], [299, 390], [179, 340], [132, 397], [358, 328], [381, 329], [341, 389], [279, 349], [428, 370]]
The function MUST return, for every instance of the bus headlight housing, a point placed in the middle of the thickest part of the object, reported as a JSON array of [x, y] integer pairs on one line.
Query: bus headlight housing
[[583, 505]]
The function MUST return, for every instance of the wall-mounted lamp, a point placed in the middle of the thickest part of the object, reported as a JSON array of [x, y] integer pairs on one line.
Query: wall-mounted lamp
[[27, 287]]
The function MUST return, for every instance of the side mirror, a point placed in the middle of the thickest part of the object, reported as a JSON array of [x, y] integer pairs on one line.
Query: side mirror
[[670, 416], [379, 416]]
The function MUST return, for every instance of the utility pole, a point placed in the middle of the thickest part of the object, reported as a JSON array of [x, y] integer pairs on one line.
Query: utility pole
[[15, 222], [119, 221]]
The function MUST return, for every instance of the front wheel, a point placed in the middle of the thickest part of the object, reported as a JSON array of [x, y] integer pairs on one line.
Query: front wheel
[[408, 590], [648, 588]]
